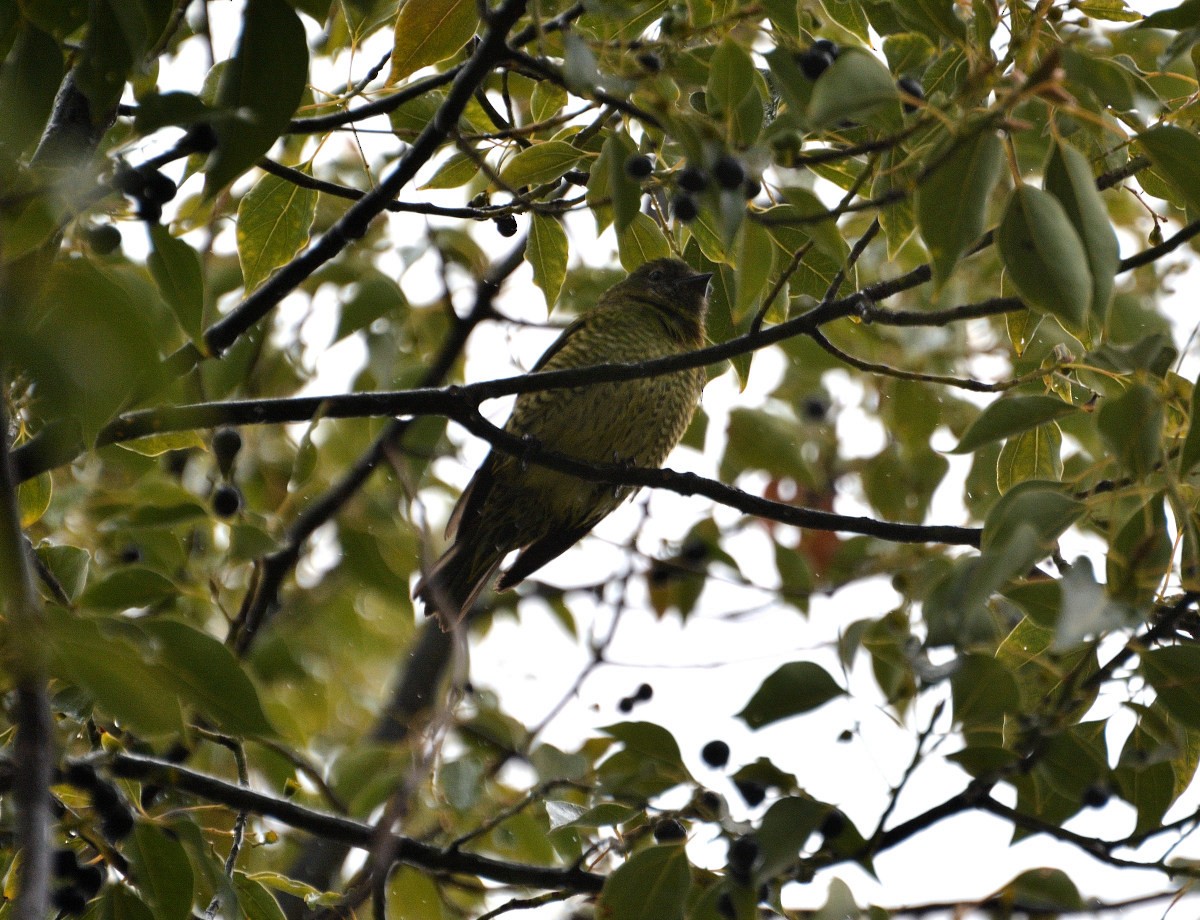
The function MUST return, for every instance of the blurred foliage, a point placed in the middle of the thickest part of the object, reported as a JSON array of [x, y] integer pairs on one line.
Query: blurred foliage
[[945, 182]]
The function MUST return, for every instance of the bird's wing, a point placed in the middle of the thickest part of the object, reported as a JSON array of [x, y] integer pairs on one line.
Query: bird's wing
[[558, 345], [541, 551], [471, 502]]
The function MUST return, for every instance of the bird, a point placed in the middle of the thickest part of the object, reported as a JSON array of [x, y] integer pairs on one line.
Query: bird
[[511, 504]]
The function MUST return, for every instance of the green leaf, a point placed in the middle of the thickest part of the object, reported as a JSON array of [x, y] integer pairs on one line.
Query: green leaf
[[1131, 427], [456, 171], [1034, 454], [983, 690], [651, 885], [541, 163], [1069, 179], [258, 109], [255, 901], [1110, 10], [1184, 16], [1191, 444], [155, 445], [1041, 509], [429, 31], [69, 566], [856, 87], [176, 269], [1007, 417], [112, 671], [756, 260], [33, 498], [649, 740], [1140, 555], [274, 220], [134, 586], [1175, 152], [935, 18], [86, 345], [375, 297], [730, 77], [547, 100], [793, 688], [1044, 257], [642, 241], [206, 675], [162, 871], [966, 178], [28, 81], [119, 34], [546, 253], [1174, 673]]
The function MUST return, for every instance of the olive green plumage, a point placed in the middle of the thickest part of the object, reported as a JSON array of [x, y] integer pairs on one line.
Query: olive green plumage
[[510, 504]]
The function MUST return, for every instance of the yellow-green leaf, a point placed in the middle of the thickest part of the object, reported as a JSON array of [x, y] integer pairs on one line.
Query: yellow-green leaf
[[457, 170], [33, 498], [1033, 454], [429, 31], [651, 885], [540, 163], [546, 100], [177, 272], [273, 225], [156, 445], [546, 253], [642, 241]]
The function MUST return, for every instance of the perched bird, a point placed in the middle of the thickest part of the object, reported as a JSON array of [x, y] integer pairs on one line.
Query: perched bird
[[514, 505]]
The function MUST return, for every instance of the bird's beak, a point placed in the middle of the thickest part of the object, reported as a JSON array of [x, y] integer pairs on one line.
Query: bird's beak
[[697, 283]]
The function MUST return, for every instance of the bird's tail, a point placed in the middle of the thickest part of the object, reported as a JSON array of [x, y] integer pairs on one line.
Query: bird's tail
[[455, 582]]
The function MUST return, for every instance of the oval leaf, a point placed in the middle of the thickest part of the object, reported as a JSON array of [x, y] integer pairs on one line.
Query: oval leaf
[[650, 885], [792, 689], [1044, 256], [541, 163], [1175, 153], [429, 31], [546, 253], [1069, 179], [856, 87], [642, 241], [966, 178], [274, 220], [1007, 417]]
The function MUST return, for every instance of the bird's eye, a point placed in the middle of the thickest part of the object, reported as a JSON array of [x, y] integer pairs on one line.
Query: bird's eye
[[656, 275]]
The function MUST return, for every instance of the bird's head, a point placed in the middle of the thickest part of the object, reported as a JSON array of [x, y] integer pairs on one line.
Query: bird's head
[[667, 284]]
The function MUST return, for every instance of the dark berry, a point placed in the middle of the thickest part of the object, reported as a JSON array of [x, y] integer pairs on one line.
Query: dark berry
[[89, 880], [64, 863], [828, 47], [1096, 795], [833, 824], [200, 138], [650, 61], [226, 501], [692, 179], [116, 824], [103, 239], [81, 776], [728, 172], [845, 735], [506, 225], [813, 62], [644, 693], [159, 189], [751, 187], [576, 176], [639, 166], [626, 705], [226, 442], [669, 830], [709, 803], [725, 906], [815, 408], [131, 182], [715, 754], [743, 853], [684, 208], [912, 87], [69, 900], [752, 792]]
